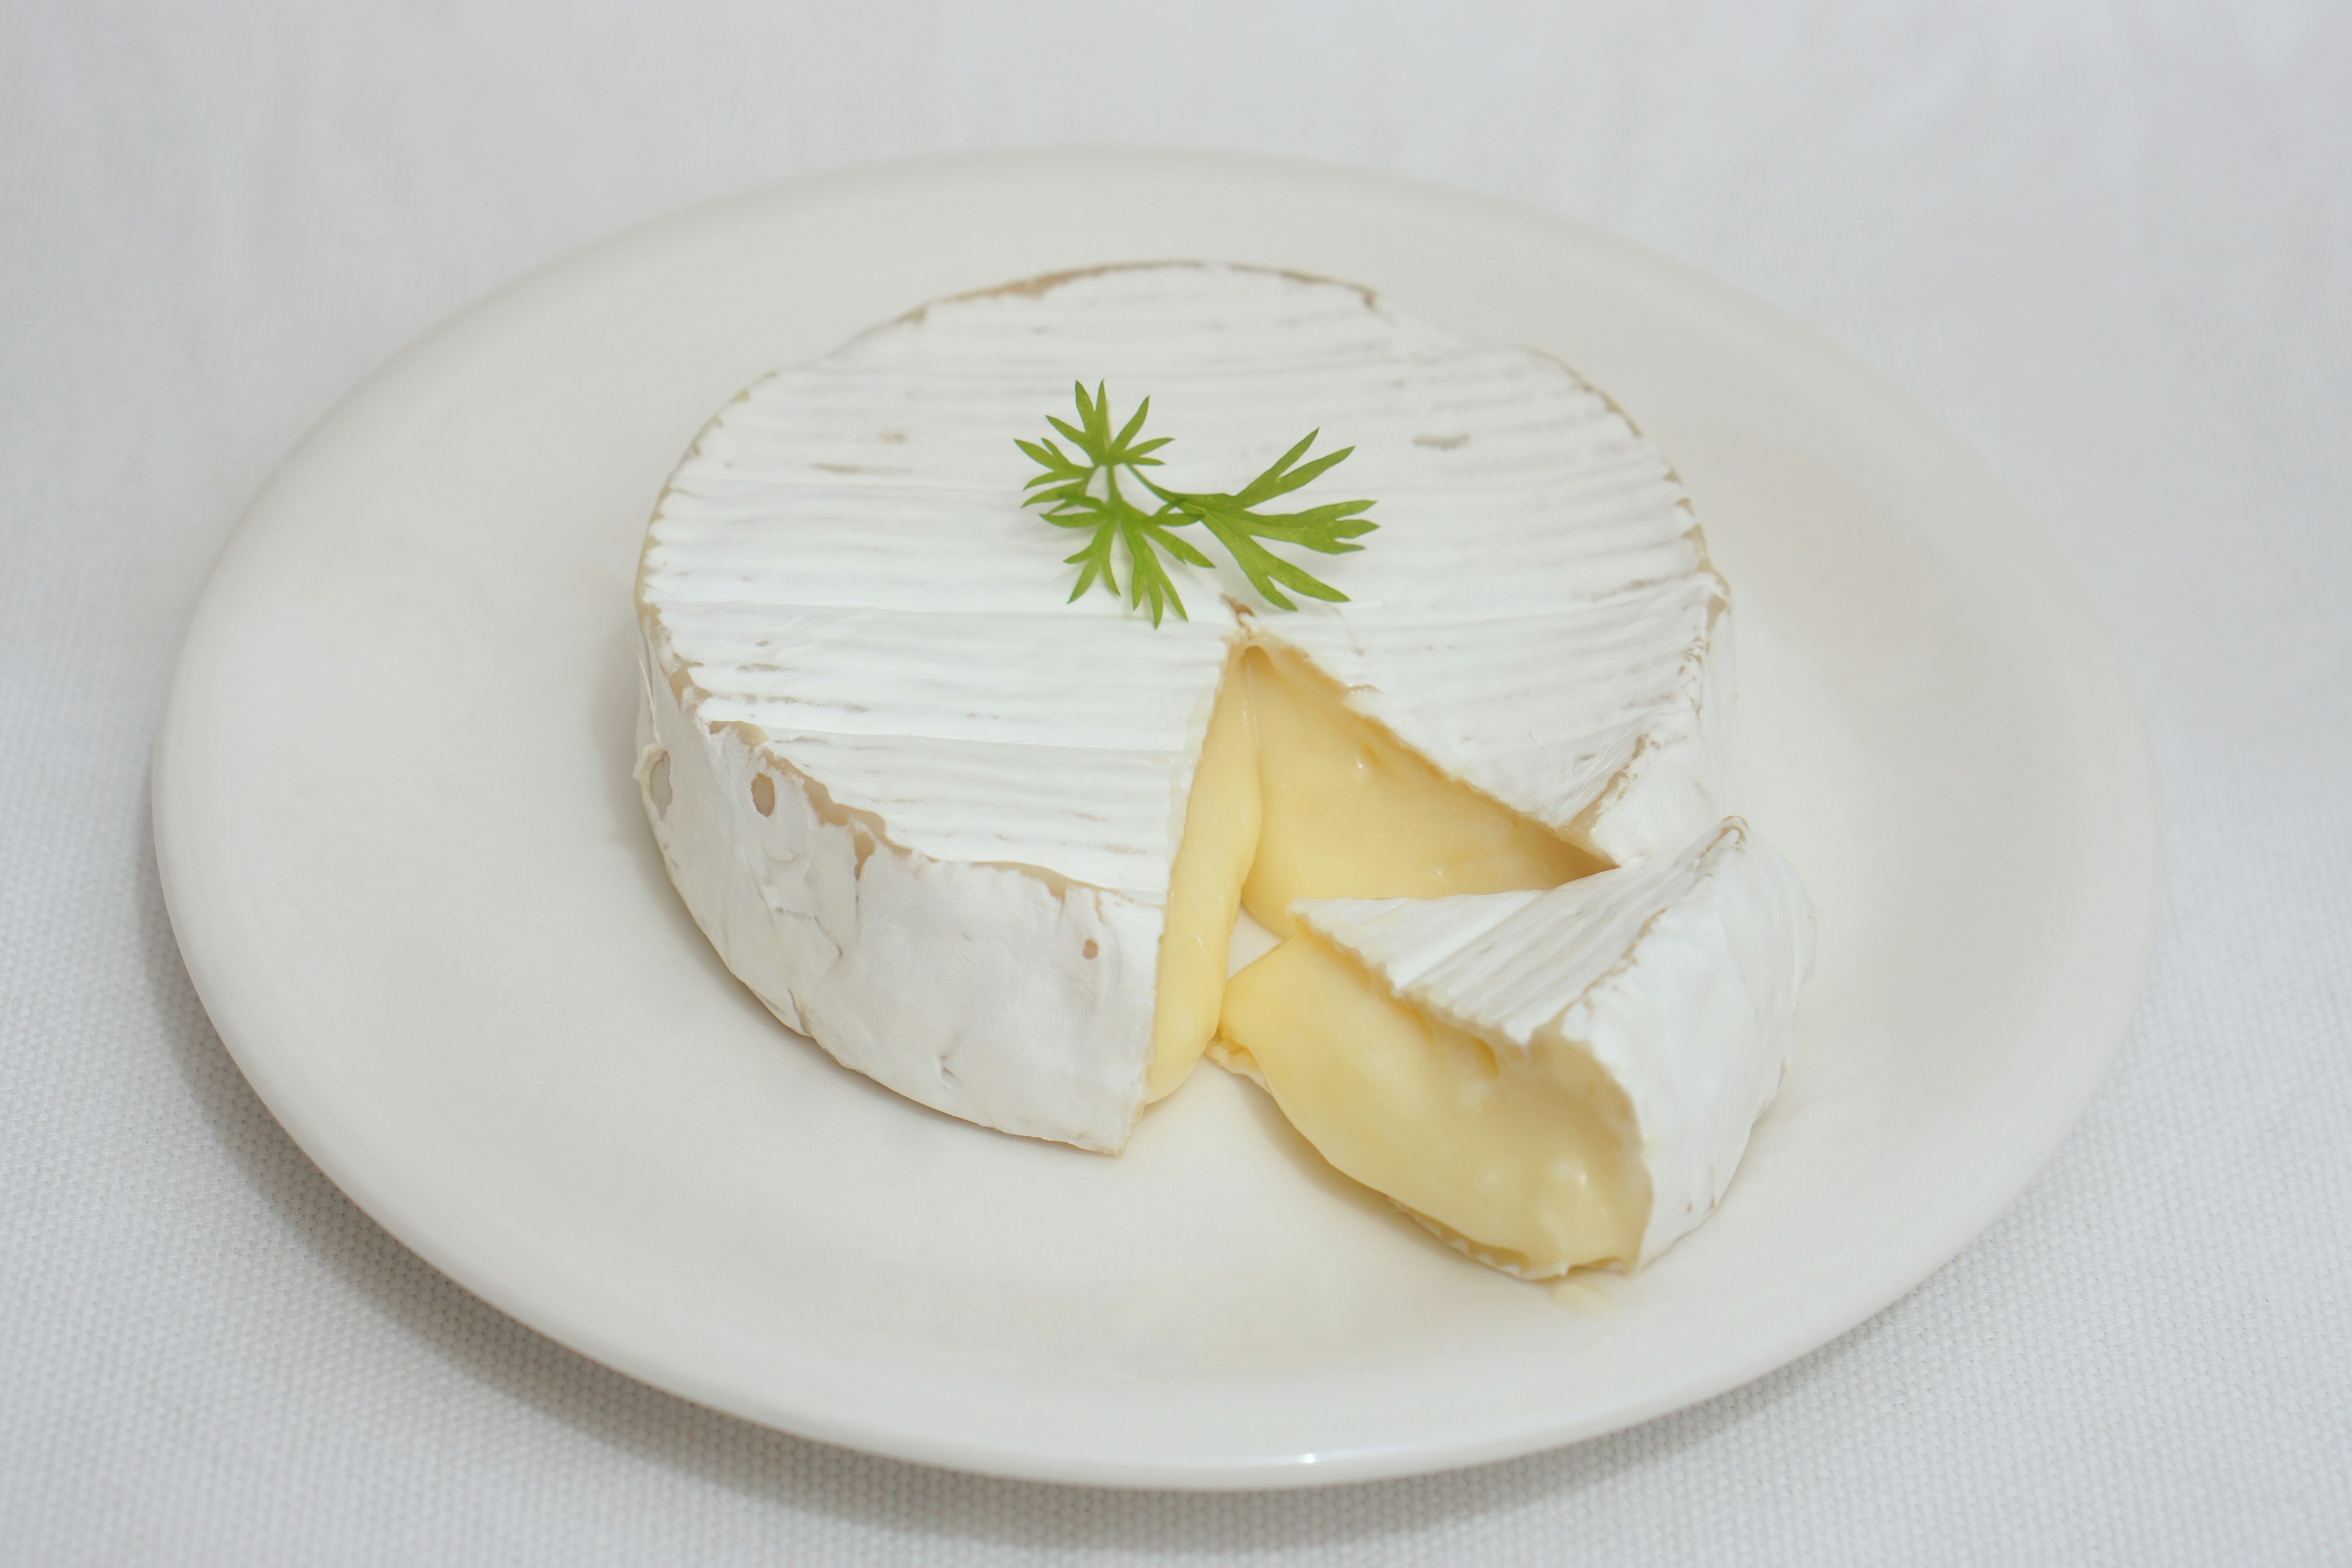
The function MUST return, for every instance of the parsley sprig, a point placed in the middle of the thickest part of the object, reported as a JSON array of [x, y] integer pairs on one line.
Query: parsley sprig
[[1068, 491]]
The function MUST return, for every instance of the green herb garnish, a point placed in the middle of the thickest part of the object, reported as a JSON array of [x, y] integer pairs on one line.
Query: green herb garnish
[[1067, 489]]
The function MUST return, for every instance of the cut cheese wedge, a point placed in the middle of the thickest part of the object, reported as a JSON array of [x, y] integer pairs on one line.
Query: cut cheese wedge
[[984, 844], [1548, 1079]]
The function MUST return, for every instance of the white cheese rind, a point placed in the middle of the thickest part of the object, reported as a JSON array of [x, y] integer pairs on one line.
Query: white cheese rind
[[840, 587], [1679, 975], [982, 991]]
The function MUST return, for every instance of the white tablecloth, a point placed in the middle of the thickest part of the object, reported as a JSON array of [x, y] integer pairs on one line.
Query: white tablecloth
[[2110, 244]]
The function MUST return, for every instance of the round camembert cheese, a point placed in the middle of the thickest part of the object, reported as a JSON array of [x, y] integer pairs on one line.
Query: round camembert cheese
[[986, 845]]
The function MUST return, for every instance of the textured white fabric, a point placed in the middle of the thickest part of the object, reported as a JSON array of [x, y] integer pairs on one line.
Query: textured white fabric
[[2109, 243]]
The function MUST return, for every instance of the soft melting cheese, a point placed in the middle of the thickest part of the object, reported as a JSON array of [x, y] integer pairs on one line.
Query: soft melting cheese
[[1532, 1161], [1351, 812], [1222, 829], [1549, 1079]]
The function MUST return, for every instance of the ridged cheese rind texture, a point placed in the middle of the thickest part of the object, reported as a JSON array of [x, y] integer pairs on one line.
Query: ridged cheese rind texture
[[841, 581], [1678, 974]]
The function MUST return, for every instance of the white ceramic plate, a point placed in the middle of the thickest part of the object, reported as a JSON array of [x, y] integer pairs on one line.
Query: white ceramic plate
[[410, 877]]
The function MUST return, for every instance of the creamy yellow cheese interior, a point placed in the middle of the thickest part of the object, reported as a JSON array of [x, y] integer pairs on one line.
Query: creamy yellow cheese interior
[[1529, 1163], [1204, 887], [1298, 797], [1350, 813]]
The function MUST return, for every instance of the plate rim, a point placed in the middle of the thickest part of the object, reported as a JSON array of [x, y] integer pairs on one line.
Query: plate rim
[[245, 1033]]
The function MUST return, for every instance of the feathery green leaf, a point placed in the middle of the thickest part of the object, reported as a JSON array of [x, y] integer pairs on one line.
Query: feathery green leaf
[[1065, 488]]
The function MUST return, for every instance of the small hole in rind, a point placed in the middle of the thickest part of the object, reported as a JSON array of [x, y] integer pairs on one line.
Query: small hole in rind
[[657, 786], [1090, 948], [763, 795]]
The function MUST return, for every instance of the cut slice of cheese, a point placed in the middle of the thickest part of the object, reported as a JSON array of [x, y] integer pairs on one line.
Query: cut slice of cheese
[[1548, 1080], [1539, 1167], [940, 819]]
